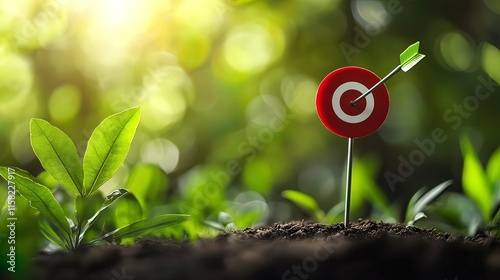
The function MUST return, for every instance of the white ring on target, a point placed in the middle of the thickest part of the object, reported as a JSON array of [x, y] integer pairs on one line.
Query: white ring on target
[[370, 102]]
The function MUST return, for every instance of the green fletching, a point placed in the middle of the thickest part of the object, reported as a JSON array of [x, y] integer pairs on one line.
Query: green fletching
[[412, 62], [410, 57], [409, 53]]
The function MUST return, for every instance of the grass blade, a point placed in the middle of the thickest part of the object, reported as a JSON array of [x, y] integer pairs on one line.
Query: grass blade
[[474, 179], [107, 148], [57, 154], [146, 226]]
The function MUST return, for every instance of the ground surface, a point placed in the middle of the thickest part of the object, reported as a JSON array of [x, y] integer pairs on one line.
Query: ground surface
[[293, 251]]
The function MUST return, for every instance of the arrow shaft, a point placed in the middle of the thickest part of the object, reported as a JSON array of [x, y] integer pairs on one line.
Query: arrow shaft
[[393, 72], [348, 182]]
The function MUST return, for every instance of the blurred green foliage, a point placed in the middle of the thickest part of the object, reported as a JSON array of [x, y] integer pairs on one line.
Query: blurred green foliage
[[227, 91], [478, 209]]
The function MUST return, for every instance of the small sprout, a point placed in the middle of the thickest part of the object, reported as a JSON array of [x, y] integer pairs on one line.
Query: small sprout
[[224, 223], [106, 150], [422, 200]]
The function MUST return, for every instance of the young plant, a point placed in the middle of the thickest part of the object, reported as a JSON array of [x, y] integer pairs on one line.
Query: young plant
[[224, 223], [247, 209], [107, 149], [481, 185], [478, 209], [422, 200]]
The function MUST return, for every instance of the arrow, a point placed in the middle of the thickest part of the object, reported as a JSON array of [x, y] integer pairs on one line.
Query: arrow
[[409, 58]]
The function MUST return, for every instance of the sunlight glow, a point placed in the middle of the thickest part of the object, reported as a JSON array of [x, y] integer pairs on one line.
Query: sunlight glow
[[119, 14], [113, 29]]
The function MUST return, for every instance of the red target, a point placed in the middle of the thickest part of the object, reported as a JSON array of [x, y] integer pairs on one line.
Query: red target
[[333, 102]]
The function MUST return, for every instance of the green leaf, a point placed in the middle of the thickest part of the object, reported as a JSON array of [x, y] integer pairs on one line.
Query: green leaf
[[410, 57], [305, 202], [458, 212], [127, 210], [496, 217], [224, 218], [411, 204], [41, 199], [423, 202], [493, 167], [86, 207], [214, 225], [418, 216], [251, 213], [25, 174], [58, 155], [108, 147], [149, 184], [47, 180], [47, 229], [474, 179], [334, 215], [146, 226], [108, 201]]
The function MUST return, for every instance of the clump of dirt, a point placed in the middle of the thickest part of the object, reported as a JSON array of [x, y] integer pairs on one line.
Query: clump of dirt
[[288, 251]]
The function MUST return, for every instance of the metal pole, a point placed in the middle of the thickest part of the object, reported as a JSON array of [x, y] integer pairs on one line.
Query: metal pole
[[348, 182], [393, 72]]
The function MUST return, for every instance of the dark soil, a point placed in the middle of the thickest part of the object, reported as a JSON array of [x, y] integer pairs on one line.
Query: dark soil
[[291, 251]]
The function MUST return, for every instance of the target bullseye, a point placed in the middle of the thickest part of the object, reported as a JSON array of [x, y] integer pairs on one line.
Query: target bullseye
[[338, 108], [339, 89]]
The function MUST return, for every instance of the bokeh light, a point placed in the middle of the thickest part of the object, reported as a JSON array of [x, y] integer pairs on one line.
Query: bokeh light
[[457, 51], [162, 153], [64, 103], [251, 47], [371, 15], [489, 61], [17, 79]]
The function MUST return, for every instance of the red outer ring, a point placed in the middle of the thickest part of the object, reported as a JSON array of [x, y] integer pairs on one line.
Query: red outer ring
[[331, 119]]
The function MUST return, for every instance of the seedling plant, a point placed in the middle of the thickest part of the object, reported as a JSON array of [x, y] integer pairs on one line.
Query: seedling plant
[[478, 208], [107, 149]]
